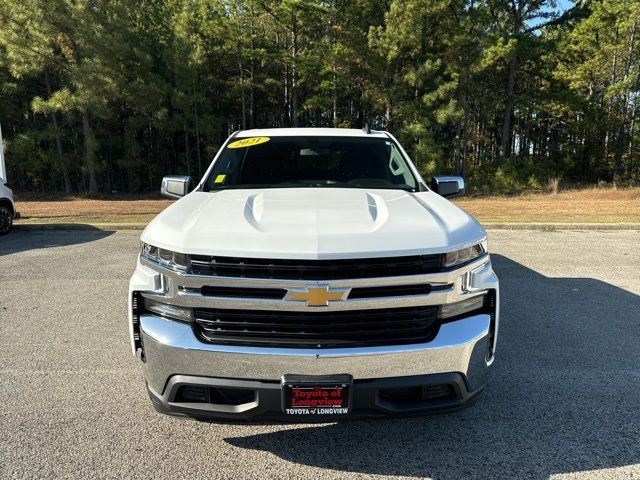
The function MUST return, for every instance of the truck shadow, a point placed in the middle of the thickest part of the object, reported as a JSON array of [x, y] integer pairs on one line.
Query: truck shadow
[[20, 239], [564, 396]]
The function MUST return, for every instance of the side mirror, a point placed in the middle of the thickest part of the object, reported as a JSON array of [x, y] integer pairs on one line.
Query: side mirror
[[175, 186], [448, 187]]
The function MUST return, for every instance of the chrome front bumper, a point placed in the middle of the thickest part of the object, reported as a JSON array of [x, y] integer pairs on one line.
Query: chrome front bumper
[[171, 348]]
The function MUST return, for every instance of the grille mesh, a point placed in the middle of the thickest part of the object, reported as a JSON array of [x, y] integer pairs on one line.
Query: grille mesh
[[317, 330], [315, 269]]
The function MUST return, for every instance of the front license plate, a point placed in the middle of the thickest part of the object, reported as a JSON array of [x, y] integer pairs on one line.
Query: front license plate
[[316, 395]]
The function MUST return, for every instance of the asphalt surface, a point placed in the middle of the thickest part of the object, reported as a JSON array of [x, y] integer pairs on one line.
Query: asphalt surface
[[563, 400]]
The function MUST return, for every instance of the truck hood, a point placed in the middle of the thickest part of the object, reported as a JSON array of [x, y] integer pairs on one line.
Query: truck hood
[[312, 223]]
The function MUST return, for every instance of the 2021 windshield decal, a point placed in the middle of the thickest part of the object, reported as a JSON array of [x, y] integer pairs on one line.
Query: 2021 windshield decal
[[248, 142]]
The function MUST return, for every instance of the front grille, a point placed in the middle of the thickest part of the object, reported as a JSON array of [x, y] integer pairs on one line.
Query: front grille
[[243, 292], [356, 293], [396, 290], [394, 326], [315, 269]]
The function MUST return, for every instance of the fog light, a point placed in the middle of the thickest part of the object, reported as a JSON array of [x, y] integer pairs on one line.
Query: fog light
[[459, 308], [171, 311]]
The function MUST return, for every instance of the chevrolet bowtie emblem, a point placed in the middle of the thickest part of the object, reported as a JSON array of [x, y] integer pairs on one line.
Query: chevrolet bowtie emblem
[[317, 295]]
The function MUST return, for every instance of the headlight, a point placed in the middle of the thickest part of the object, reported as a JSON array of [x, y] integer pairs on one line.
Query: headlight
[[171, 259], [459, 308], [465, 255], [171, 311]]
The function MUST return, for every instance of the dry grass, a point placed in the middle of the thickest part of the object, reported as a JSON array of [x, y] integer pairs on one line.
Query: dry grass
[[80, 210], [582, 206]]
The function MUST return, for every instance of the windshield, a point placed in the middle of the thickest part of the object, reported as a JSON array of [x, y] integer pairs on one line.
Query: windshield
[[288, 162]]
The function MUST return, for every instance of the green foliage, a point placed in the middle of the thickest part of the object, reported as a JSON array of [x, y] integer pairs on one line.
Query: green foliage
[[509, 179], [111, 95]]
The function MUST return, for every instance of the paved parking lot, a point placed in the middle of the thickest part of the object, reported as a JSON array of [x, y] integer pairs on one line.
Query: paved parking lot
[[563, 400]]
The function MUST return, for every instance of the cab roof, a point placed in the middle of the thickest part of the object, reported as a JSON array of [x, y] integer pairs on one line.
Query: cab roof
[[310, 132]]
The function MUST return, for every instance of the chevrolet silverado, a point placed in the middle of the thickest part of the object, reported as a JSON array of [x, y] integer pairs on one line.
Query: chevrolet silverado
[[313, 275]]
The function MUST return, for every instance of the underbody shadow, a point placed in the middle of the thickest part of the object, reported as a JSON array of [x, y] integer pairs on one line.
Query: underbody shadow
[[564, 396], [21, 239]]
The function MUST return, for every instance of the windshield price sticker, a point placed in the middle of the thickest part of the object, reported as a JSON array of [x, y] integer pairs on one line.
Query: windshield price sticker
[[248, 142]]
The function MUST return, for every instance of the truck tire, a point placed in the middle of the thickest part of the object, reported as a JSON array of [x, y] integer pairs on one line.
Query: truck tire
[[6, 219]]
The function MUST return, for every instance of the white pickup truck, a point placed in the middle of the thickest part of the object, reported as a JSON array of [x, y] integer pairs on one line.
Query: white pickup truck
[[312, 275]]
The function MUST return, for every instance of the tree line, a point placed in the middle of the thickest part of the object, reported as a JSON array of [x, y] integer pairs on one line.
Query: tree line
[[110, 95]]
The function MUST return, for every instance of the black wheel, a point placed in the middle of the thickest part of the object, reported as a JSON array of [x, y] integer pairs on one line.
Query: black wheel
[[6, 220]]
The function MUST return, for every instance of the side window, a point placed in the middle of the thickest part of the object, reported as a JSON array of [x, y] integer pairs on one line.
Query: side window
[[398, 167]]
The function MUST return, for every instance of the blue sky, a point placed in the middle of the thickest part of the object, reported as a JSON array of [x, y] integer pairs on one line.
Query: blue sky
[[564, 4], [561, 7]]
